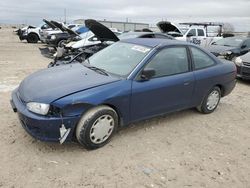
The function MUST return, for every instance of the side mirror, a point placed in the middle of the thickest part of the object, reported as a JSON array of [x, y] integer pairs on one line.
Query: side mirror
[[190, 35], [147, 73]]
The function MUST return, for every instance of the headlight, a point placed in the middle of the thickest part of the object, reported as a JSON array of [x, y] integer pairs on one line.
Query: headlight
[[238, 61], [38, 108], [226, 53], [53, 37]]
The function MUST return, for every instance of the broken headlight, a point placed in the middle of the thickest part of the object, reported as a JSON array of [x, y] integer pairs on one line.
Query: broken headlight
[[38, 108], [53, 37], [238, 61], [226, 53]]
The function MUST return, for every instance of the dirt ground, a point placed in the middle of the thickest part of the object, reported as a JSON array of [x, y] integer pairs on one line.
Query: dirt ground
[[183, 149]]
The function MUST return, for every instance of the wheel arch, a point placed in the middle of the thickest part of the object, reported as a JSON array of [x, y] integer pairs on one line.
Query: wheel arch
[[34, 34], [118, 112], [222, 90]]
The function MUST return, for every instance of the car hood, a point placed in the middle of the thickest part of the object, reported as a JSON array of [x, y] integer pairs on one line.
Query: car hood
[[166, 27], [49, 23], [101, 32], [47, 85], [64, 29], [217, 49]]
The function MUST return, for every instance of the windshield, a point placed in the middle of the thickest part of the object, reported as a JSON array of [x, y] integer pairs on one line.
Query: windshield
[[119, 58], [86, 34], [234, 42]]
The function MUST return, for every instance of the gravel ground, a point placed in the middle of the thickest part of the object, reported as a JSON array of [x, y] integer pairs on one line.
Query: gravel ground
[[183, 149]]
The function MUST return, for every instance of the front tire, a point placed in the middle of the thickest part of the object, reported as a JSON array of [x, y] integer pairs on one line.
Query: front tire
[[211, 101], [32, 38], [96, 127]]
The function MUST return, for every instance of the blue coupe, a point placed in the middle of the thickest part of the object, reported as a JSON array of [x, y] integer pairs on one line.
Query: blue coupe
[[131, 80]]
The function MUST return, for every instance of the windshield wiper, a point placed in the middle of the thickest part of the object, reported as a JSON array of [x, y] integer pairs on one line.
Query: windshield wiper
[[99, 70], [96, 69]]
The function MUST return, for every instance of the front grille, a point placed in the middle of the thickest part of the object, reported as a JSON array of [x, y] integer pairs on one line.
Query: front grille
[[246, 64]]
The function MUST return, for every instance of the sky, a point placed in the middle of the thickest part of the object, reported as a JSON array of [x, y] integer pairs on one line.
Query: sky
[[235, 12]]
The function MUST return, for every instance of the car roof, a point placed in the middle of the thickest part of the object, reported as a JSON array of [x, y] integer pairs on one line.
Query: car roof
[[153, 42]]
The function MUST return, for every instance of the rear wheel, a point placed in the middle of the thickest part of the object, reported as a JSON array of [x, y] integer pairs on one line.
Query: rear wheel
[[211, 101], [96, 127], [32, 38]]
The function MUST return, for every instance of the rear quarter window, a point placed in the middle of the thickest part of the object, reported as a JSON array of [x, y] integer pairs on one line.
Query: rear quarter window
[[201, 59]]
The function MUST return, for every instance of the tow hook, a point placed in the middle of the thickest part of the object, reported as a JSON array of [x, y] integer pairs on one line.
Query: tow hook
[[63, 133]]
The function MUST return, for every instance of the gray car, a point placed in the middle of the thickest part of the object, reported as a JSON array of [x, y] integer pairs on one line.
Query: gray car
[[243, 66]]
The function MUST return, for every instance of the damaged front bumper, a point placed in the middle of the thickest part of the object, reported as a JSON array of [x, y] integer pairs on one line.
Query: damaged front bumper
[[44, 128]]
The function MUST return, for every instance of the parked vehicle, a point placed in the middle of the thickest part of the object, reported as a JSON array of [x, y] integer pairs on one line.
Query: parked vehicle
[[130, 35], [57, 39], [96, 39], [44, 33], [196, 33], [230, 47], [31, 33], [126, 82], [243, 66]]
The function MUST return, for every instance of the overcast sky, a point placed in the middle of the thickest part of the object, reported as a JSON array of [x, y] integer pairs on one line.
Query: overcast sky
[[236, 12]]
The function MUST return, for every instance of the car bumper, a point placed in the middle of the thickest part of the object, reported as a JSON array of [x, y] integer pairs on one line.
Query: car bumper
[[22, 37], [243, 72], [40, 127]]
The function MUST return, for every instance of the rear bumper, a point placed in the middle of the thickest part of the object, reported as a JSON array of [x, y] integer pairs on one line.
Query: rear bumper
[[243, 72], [40, 127]]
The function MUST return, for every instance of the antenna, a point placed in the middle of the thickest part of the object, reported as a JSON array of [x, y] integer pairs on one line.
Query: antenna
[[65, 16]]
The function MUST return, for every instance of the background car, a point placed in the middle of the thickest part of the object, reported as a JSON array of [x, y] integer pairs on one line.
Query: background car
[[126, 82], [243, 66], [230, 47], [130, 35]]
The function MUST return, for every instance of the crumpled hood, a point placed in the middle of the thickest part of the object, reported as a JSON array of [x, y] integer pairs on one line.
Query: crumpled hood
[[47, 85], [217, 49]]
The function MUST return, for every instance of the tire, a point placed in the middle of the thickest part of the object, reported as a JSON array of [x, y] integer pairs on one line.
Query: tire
[[60, 43], [32, 38], [96, 127], [213, 97]]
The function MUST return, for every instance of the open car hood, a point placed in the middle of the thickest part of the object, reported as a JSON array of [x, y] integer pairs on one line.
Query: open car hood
[[49, 23], [101, 32], [168, 27], [64, 29]]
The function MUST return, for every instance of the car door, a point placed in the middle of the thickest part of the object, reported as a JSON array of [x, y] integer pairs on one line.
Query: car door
[[205, 73], [168, 90]]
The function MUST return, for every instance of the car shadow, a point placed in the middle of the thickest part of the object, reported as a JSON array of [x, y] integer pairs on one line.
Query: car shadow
[[47, 52], [242, 81]]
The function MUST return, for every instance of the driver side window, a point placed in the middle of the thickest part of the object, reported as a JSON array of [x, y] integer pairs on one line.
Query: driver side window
[[192, 32], [169, 61]]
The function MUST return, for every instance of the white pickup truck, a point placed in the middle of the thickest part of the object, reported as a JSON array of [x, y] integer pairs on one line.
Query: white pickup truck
[[196, 33]]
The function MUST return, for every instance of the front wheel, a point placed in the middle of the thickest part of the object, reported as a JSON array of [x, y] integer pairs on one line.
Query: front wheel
[[96, 127], [32, 38], [211, 101]]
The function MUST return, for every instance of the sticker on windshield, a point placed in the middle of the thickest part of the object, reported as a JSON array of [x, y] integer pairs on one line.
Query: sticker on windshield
[[140, 49]]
